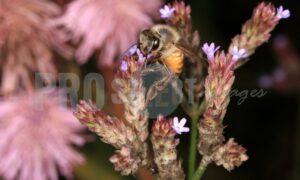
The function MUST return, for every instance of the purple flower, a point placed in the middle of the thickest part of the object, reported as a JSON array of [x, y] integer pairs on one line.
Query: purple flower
[[283, 14], [110, 26], [132, 50], [149, 56], [124, 66], [166, 12], [238, 53], [179, 126], [37, 137], [210, 50], [141, 56]]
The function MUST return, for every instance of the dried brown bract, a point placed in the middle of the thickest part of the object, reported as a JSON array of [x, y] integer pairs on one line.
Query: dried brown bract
[[165, 153], [230, 155]]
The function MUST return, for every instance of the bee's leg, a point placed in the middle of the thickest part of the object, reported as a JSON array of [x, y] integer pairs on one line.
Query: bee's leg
[[151, 68], [167, 70], [157, 87], [144, 65], [146, 69], [174, 82]]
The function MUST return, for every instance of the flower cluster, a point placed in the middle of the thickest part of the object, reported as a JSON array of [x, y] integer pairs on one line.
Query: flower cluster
[[256, 30], [219, 81], [129, 85], [38, 134], [179, 16], [217, 87], [129, 135], [230, 155], [109, 27], [164, 147], [115, 132], [27, 41], [214, 80], [218, 84]]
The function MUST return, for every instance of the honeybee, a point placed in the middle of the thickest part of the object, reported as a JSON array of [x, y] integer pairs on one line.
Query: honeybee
[[164, 43]]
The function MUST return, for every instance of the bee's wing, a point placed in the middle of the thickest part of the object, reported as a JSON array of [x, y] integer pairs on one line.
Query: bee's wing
[[158, 86], [187, 51], [153, 67]]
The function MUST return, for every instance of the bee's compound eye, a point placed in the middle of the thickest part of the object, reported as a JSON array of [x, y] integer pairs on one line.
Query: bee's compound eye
[[155, 44]]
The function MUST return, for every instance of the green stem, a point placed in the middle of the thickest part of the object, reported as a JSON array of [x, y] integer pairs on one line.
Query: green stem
[[200, 171], [196, 112], [193, 148]]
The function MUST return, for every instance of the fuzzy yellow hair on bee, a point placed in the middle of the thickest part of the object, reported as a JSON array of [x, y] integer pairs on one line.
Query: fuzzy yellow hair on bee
[[163, 43]]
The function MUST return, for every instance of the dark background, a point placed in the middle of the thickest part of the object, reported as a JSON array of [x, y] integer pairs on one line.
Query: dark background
[[266, 126]]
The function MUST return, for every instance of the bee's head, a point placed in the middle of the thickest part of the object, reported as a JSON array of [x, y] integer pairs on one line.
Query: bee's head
[[148, 42]]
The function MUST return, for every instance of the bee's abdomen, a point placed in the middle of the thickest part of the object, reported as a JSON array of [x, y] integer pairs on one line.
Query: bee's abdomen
[[175, 62]]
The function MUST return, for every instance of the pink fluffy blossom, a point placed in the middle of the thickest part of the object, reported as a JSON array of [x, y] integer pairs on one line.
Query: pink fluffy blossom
[[27, 42], [110, 26], [37, 134]]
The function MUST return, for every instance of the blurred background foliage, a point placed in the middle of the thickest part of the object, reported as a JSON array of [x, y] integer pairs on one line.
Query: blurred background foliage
[[266, 126]]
